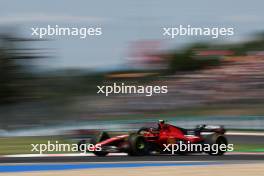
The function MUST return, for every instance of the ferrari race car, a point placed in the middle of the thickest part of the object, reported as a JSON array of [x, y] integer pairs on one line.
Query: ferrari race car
[[162, 140]]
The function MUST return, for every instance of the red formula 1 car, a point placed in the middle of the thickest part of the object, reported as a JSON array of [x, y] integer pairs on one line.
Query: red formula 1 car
[[151, 140]]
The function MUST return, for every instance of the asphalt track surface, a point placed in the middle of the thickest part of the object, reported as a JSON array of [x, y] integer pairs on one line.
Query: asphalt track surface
[[236, 157], [190, 157]]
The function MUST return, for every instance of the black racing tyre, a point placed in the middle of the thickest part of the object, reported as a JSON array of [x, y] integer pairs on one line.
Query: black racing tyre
[[217, 140], [101, 137], [138, 145]]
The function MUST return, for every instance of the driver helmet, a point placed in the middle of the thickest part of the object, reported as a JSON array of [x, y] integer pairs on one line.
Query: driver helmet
[[161, 121], [161, 124]]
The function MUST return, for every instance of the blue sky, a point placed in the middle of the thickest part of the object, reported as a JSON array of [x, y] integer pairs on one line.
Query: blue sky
[[123, 22]]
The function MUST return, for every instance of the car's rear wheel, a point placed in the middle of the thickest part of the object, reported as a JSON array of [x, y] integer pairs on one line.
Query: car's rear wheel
[[101, 137], [138, 145], [218, 141]]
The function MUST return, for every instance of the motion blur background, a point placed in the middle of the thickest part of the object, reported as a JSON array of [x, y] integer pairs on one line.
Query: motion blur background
[[49, 86]]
